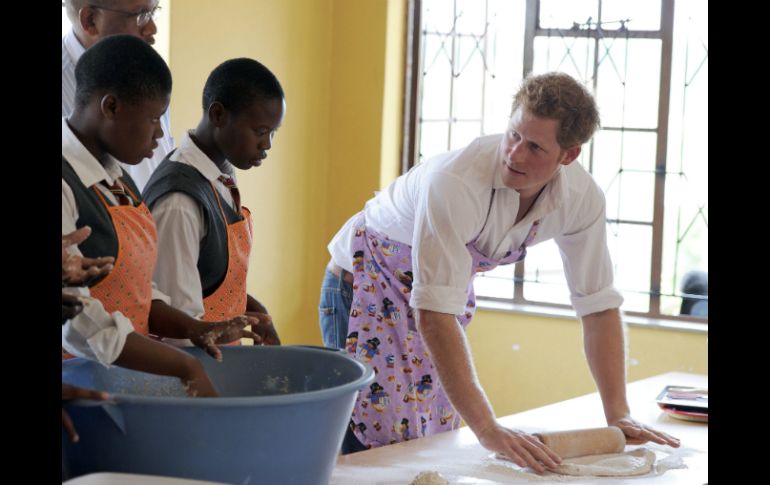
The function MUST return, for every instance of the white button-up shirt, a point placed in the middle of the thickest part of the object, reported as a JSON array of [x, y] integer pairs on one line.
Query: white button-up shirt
[[442, 204]]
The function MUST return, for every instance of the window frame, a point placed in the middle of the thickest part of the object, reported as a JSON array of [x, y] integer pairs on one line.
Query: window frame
[[532, 30]]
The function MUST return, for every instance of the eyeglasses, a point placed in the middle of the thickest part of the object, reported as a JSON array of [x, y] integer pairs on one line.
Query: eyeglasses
[[143, 17]]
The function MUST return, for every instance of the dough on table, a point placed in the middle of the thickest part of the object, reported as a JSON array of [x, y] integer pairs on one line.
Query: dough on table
[[626, 464]]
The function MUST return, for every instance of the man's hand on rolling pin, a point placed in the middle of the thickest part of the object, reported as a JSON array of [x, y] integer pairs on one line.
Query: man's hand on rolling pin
[[638, 433], [519, 447]]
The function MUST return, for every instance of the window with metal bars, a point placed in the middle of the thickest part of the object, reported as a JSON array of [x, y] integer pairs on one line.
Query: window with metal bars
[[647, 65]]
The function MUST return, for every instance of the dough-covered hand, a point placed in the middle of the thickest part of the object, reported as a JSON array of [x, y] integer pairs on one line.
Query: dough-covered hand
[[197, 383], [265, 329], [207, 335], [77, 270]]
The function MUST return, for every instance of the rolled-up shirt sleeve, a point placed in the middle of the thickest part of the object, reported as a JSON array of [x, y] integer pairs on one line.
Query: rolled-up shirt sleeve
[[586, 258], [445, 218], [94, 333]]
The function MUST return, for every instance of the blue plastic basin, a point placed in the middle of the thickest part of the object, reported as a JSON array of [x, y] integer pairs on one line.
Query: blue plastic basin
[[281, 417]]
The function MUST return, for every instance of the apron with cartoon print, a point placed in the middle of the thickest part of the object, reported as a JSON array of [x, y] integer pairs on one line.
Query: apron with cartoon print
[[406, 399]]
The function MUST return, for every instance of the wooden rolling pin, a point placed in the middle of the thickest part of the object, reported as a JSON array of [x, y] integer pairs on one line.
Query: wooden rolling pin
[[582, 442]]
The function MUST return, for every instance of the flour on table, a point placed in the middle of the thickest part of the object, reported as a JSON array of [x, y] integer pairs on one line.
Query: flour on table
[[651, 460], [627, 464]]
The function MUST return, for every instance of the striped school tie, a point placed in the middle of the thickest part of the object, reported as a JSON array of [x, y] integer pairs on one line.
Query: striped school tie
[[119, 192], [230, 184]]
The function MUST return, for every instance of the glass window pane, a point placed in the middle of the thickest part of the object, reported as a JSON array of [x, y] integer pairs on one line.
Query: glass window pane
[[630, 150], [469, 81], [437, 76], [685, 234], [434, 138], [631, 249], [628, 82], [505, 46], [464, 132], [624, 164], [546, 293], [642, 15], [482, 91], [497, 283], [544, 274], [558, 14], [629, 195], [471, 17], [438, 15], [571, 55]]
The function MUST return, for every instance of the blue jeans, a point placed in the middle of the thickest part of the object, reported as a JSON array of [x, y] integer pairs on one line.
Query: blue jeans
[[334, 311]]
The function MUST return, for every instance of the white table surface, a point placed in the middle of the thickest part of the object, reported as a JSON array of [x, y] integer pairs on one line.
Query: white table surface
[[457, 454]]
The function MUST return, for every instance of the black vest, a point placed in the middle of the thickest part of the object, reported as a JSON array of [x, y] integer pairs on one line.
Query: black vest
[[103, 240], [173, 176]]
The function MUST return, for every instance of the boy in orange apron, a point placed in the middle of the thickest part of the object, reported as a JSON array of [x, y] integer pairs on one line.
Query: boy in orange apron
[[204, 233], [123, 88]]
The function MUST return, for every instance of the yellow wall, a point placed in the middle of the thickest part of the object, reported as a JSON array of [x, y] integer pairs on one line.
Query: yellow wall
[[392, 101], [528, 361], [341, 66], [355, 123]]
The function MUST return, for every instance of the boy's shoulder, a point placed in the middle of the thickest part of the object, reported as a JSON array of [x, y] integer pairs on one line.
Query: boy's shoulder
[[171, 176]]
